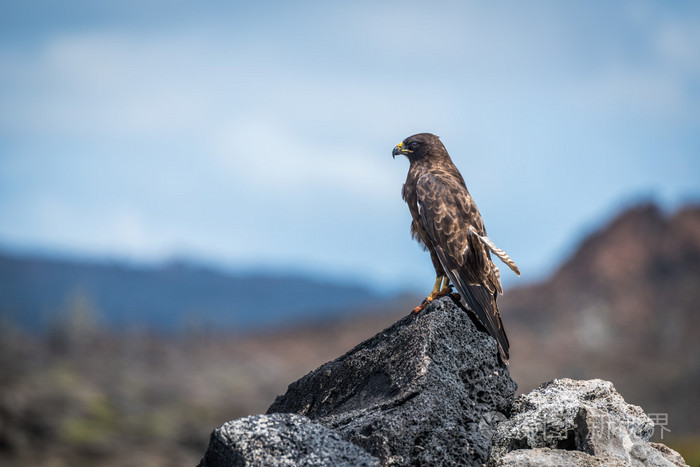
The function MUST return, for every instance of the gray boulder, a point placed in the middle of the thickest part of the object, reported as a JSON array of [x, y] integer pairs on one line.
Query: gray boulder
[[281, 440], [567, 422], [426, 391]]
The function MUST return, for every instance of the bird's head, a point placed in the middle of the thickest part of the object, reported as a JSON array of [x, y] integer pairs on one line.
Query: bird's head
[[419, 146]]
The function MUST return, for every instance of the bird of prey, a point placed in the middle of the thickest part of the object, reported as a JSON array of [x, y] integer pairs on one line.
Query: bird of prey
[[447, 223]]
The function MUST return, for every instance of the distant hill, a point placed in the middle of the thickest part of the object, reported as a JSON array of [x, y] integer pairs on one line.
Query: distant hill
[[624, 307], [34, 290]]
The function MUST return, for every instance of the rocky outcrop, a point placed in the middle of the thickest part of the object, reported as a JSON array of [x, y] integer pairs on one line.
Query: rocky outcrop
[[430, 390], [425, 391], [281, 440], [567, 422]]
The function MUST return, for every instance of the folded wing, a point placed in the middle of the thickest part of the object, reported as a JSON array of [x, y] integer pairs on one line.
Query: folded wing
[[457, 236]]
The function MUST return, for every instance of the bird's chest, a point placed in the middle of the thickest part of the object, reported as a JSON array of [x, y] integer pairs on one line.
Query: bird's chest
[[409, 194]]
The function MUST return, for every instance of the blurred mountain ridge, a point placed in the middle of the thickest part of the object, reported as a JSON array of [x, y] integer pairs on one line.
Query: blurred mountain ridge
[[35, 289], [624, 307], [638, 277]]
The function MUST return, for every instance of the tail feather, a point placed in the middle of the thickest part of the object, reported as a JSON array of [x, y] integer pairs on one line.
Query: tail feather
[[483, 304], [502, 255]]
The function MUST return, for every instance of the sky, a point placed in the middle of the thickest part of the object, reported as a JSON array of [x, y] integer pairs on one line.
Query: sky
[[258, 135]]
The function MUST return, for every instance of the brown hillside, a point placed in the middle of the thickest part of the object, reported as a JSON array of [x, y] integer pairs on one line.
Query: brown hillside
[[625, 307]]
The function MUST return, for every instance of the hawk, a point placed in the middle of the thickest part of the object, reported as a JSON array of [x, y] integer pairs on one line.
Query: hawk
[[447, 223]]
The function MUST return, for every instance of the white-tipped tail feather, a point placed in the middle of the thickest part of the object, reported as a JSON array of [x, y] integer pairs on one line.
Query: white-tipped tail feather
[[502, 255]]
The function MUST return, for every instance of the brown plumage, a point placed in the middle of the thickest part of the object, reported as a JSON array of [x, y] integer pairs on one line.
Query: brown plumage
[[447, 223]]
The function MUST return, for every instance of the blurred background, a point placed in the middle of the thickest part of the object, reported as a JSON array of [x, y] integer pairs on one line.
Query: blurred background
[[198, 203]]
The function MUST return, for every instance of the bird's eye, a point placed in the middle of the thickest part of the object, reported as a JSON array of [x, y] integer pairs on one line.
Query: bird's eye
[[413, 145]]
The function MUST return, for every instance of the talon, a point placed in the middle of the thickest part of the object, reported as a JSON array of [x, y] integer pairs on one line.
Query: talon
[[442, 287], [420, 307]]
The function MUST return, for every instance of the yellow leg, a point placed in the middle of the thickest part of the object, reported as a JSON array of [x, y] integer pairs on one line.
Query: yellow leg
[[441, 287], [436, 288], [446, 287]]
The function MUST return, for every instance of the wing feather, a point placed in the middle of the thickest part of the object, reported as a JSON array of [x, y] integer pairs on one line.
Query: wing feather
[[454, 229]]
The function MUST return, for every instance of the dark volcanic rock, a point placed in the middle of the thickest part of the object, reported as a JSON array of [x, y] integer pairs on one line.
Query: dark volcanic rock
[[567, 422], [428, 390], [281, 440]]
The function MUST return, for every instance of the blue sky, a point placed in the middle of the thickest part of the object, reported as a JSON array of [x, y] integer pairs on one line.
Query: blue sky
[[259, 135]]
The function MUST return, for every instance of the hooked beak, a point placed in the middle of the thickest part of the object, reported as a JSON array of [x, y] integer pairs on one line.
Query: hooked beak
[[399, 149]]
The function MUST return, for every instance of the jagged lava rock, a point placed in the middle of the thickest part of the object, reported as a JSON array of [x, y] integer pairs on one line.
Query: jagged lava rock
[[281, 440], [426, 391], [568, 422]]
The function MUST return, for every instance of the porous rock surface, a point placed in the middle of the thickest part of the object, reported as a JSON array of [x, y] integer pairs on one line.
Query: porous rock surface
[[568, 422], [281, 440], [430, 390], [426, 391]]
